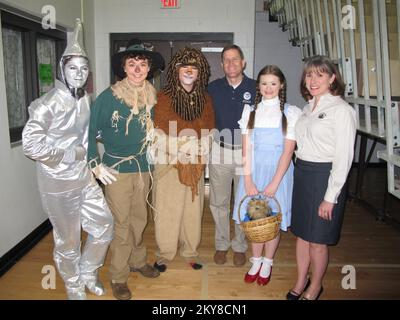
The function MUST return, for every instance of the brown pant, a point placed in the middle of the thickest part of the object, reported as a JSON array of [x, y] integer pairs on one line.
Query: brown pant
[[128, 204], [177, 217]]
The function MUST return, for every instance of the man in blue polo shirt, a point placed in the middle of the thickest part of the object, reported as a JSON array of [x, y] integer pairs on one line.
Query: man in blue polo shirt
[[229, 95]]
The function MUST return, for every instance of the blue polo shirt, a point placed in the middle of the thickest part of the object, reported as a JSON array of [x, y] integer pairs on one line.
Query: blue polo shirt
[[229, 103]]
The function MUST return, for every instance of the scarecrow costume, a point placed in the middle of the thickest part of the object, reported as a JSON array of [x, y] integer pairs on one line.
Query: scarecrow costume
[[180, 157], [56, 136], [121, 118]]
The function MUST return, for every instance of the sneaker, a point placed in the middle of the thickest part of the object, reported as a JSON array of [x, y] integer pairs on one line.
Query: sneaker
[[195, 263], [239, 259], [147, 271], [160, 266], [220, 256], [121, 291]]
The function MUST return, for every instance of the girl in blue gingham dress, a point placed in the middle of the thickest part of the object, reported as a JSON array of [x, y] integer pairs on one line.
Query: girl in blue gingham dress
[[268, 145]]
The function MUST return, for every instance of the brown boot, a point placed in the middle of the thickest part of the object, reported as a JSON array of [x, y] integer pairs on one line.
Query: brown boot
[[239, 259], [220, 256], [121, 291], [147, 271]]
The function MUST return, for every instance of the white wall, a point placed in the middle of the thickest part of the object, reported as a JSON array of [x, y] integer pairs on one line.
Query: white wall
[[20, 208], [235, 16], [272, 46], [88, 21]]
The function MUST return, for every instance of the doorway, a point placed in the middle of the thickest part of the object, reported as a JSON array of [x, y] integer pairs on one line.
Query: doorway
[[167, 44]]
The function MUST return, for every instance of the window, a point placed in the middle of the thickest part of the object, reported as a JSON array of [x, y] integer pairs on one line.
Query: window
[[14, 70], [46, 64], [30, 65]]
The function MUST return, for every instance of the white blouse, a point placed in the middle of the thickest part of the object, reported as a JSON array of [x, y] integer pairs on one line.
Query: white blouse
[[269, 115], [327, 134]]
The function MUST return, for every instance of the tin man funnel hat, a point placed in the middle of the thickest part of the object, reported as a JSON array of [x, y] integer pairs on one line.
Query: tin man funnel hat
[[74, 46], [74, 49]]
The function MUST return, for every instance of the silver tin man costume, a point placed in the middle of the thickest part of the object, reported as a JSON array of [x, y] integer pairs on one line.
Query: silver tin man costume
[[56, 136]]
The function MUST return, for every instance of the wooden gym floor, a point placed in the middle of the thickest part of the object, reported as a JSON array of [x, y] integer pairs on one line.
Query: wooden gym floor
[[371, 247]]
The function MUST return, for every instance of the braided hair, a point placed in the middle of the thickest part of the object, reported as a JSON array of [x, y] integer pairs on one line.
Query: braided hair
[[272, 70], [188, 105]]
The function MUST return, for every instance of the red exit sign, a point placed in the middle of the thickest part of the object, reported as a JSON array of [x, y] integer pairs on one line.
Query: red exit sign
[[169, 4]]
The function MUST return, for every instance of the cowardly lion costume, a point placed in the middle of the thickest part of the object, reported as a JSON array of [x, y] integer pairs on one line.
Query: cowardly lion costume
[[183, 122]]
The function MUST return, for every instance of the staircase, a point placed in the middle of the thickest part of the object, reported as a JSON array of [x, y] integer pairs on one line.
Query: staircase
[[363, 38]]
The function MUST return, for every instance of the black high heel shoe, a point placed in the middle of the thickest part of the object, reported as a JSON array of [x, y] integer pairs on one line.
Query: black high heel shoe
[[293, 295], [318, 295]]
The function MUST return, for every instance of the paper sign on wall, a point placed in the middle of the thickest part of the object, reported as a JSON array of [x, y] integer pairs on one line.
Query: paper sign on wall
[[46, 79], [46, 73]]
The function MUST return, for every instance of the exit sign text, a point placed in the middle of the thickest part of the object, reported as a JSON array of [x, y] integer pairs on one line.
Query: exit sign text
[[169, 4]]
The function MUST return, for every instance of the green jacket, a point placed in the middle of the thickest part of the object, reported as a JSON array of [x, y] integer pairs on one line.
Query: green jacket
[[108, 117]]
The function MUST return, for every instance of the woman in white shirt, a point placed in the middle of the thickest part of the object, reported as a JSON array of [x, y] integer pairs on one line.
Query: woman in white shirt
[[268, 145], [325, 135]]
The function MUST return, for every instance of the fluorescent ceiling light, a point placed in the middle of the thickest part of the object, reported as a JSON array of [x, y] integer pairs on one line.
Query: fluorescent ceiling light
[[211, 49]]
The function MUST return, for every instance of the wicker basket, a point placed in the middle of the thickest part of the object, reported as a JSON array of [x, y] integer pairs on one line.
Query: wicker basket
[[262, 230]]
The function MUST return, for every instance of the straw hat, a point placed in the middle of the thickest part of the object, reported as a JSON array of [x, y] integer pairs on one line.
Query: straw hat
[[135, 46]]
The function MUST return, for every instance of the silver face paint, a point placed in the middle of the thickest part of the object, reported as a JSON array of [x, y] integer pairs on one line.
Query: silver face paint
[[76, 72]]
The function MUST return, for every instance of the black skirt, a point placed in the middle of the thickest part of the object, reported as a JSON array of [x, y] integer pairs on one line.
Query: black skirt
[[309, 187]]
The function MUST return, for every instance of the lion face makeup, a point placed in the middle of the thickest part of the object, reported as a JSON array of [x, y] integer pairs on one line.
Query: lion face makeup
[[188, 105]]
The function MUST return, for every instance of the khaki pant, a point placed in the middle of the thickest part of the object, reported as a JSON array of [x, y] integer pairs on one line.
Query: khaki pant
[[128, 205], [177, 217], [223, 169]]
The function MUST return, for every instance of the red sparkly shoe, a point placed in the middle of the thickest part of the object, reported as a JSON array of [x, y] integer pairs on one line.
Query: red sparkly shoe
[[261, 281], [248, 278]]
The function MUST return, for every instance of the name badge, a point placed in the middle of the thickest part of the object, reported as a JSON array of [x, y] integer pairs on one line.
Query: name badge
[[247, 97]]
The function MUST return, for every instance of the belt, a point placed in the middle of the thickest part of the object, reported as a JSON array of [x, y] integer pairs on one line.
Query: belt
[[230, 146]]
